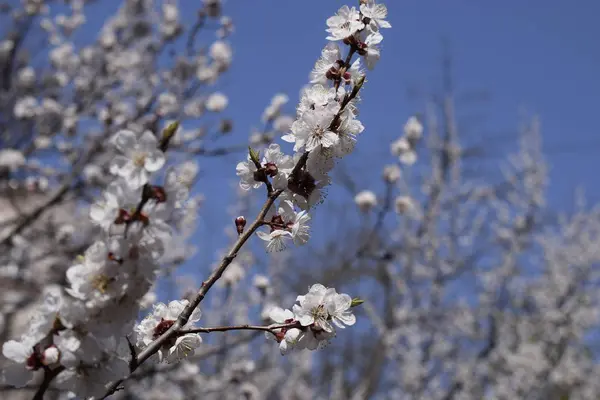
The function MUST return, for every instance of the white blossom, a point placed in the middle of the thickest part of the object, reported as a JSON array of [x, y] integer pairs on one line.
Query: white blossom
[[376, 13], [216, 102], [365, 200], [162, 318], [276, 240], [345, 23], [141, 157]]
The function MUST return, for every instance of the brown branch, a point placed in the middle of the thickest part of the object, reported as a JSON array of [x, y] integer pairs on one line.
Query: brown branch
[[208, 352], [268, 328], [204, 288], [49, 375], [272, 195]]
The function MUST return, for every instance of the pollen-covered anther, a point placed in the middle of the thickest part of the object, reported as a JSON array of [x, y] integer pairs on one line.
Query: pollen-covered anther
[[100, 282]]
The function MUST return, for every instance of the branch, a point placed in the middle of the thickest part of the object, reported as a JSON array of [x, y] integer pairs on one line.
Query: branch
[[49, 375], [191, 39], [204, 288], [272, 195], [208, 352], [268, 328]]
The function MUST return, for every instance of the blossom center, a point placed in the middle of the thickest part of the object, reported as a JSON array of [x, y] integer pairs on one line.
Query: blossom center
[[319, 132], [319, 313], [100, 282], [139, 159]]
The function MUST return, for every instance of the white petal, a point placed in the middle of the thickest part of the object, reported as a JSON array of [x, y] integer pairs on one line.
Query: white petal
[[97, 212], [148, 141], [124, 140], [154, 160], [16, 351], [347, 318], [264, 236], [305, 319], [117, 163]]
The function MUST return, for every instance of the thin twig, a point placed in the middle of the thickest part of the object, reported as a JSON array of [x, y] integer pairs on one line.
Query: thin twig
[[272, 195], [268, 328]]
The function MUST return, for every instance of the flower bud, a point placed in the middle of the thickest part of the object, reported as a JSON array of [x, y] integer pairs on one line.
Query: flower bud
[[51, 356], [403, 204], [347, 77], [261, 282], [271, 169], [391, 173], [240, 223], [365, 200]]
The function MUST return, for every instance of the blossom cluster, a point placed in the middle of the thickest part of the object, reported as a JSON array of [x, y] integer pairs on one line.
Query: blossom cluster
[[312, 319], [85, 336], [326, 125], [83, 331], [405, 149], [162, 318]]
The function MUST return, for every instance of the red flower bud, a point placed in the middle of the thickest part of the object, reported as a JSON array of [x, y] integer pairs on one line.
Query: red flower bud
[[240, 223]]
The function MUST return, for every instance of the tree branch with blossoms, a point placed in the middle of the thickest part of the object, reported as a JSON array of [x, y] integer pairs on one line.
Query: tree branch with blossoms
[[85, 348]]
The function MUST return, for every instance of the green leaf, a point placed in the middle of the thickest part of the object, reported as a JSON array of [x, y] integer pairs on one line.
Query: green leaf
[[170, 130], [167, 135], [254, 156], [357, 301]]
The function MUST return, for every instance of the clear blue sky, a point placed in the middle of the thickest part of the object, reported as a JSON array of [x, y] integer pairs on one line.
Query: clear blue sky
[[541, 56], [533, 55]]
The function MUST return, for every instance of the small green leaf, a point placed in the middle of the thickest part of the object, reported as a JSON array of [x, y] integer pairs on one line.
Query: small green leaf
[[357, 301], [254, 156], [170, 130], [167, 135]]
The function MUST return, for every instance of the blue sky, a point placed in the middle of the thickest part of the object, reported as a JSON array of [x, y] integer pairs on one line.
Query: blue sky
[[538, 56], [535, 56]]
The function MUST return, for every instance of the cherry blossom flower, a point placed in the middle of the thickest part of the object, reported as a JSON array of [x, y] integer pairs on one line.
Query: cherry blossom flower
[[141, 157], [313, 130], [345, 23], [276, 240], [162, 318], [376, 14]]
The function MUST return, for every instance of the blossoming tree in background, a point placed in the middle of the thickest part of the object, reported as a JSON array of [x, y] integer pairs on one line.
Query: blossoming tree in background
[[473, 286]]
